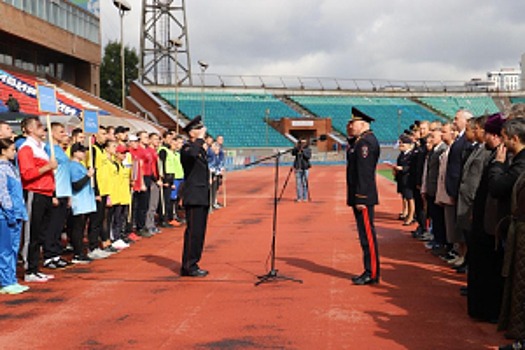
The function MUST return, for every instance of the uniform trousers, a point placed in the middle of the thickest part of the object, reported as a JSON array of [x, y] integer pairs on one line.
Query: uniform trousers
[[368, 239], [39, 211], [420, 213], [437, 215], [167, 215], [78, 223], [96, 224], [196, 221], [55, 228], [9, 244], [153, 205]]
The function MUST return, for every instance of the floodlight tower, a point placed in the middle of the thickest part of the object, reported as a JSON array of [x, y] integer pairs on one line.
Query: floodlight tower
[[162, 62], [123, 7]]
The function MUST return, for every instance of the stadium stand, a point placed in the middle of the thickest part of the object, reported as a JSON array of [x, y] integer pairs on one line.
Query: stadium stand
[[392, 114], [517, 100], [240, 117], [23, 88], [448, 105]]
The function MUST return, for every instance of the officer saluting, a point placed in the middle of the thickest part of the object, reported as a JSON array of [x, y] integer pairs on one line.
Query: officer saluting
[[362, 156], [195, 197]]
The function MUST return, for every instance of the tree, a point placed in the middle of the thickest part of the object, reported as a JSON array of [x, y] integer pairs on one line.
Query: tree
[[111, 74]]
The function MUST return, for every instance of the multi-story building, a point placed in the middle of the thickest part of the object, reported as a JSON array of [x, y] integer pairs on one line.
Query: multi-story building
[[506, 79], [57, 38], [522, 64]]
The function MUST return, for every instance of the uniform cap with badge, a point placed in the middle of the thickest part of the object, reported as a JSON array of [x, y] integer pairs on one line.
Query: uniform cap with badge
[[195, 123], [359, 115]]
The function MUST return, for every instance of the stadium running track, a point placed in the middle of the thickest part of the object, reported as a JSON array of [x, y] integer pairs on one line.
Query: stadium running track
[[137, 299]]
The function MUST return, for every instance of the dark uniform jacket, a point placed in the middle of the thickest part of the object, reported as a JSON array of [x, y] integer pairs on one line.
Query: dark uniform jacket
[[420, 154], [433, 168], [404, 177], [362, 160], [454, 165], [196, 189], [501, 180], [470, 179]]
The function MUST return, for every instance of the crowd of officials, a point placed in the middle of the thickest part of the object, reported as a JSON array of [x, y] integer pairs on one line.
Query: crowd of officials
[[103, 193], [462, 183]]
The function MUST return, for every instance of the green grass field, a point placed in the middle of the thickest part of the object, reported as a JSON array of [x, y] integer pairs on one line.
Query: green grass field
[[386, 173]]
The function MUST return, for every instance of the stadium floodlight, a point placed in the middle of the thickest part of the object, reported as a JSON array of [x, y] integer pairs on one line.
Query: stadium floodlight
[[123, 7], [203, 66], [175, 42]]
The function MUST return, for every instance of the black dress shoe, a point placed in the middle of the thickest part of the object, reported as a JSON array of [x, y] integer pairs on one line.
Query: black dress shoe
[[362, 280], [194, 273], [358, 277], [519, 344]]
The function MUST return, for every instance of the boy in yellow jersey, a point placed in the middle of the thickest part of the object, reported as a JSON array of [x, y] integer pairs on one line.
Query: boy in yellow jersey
[[107, 181], [121, 200]]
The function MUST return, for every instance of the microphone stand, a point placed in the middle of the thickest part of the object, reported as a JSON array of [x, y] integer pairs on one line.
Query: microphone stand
[[273, 275]]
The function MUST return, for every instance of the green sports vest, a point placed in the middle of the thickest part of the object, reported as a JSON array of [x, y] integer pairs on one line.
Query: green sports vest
[[171, 160]]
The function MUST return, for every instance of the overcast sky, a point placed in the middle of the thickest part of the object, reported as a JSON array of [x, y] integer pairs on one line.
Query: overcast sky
[[377, 39]]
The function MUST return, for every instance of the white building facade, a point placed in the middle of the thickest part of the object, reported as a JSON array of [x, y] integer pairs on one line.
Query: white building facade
[[507, 79]]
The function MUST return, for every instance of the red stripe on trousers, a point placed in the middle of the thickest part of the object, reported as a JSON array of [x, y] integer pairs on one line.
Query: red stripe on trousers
[[371, 242]]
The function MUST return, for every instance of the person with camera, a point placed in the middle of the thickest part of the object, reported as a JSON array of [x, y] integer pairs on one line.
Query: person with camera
[[301, 164]]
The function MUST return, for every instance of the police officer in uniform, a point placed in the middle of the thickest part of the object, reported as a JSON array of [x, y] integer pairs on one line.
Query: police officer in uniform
[[362, 156], [196, 194]]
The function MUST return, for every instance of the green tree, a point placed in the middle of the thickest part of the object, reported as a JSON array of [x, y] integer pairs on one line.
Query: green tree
[[111, 74]]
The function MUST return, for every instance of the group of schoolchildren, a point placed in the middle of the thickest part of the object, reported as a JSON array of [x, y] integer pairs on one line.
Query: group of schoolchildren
[[113, 187], [462, 183]]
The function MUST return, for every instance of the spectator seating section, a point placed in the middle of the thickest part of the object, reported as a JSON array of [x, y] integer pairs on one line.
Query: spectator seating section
[[22, 86], [515, 100], [239, 117], [449, 105], [392, 115]]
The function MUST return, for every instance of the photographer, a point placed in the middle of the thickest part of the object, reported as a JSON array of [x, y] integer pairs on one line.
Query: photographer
[[302, 153]]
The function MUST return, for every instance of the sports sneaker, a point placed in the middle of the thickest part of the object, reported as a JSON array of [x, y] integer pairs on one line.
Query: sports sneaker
[[120, 244], [97, 254], [46, 275], [51, 264], [175, 223], [426, 236], [146, 234], [62, 263], [69, 248], [22, 287], [110, 249], [35, 277], [134, 237], [81, 259], [12, 289]]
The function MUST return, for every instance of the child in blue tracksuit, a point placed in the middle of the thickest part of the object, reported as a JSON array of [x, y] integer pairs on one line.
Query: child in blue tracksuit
[[12, 213]]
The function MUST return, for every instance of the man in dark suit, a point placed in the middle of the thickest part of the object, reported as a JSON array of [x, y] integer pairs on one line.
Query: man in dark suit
[[420, 154], [457, 149], [435, 211], [196, 194], [362, 157]]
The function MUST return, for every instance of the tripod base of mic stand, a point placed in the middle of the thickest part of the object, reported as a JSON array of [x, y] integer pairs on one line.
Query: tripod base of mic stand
[[272, 276]]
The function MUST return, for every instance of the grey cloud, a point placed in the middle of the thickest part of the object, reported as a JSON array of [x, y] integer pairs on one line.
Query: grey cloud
[[397, 39]]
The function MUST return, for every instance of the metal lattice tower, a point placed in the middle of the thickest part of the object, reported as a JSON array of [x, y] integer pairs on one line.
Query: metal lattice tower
[[162, 63]]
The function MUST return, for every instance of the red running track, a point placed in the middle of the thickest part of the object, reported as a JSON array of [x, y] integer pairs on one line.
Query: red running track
[[137, 300]]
